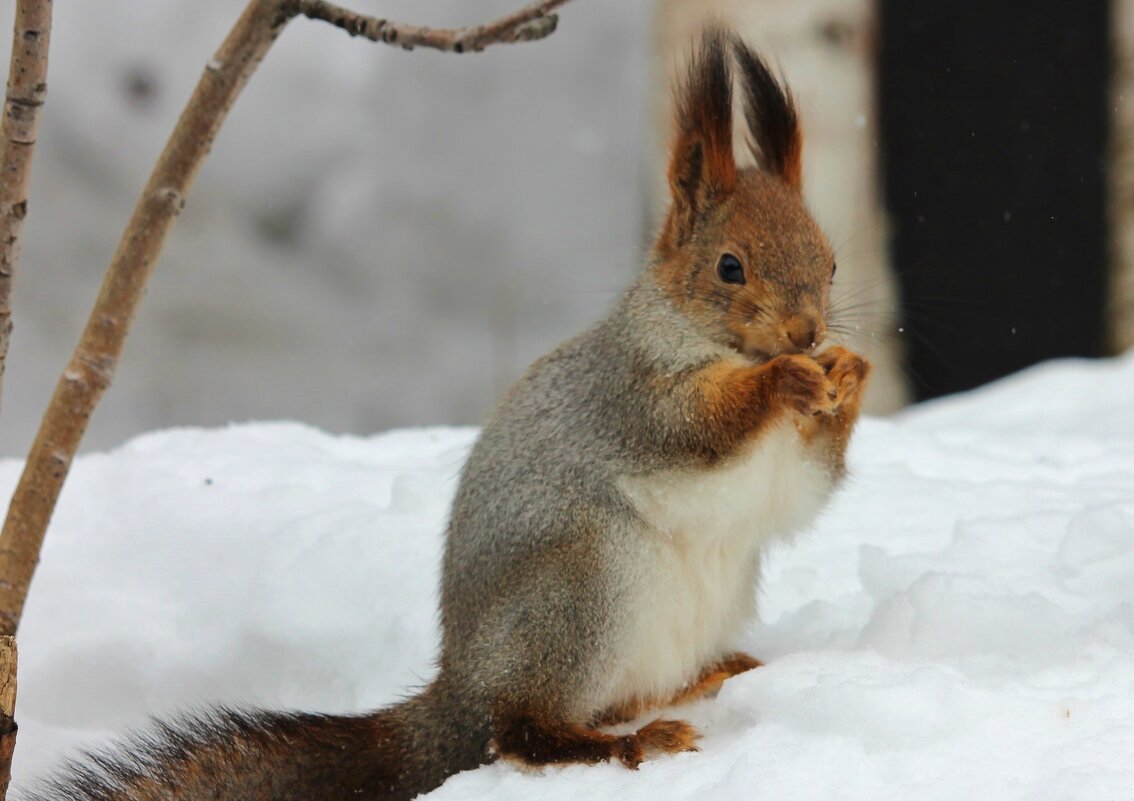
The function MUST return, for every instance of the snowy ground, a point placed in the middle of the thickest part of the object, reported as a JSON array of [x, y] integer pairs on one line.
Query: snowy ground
[[959, 625]]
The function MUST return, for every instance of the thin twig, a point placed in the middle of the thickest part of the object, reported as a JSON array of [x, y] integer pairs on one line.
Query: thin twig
[[532, 22], [27, 88], [92, 366]]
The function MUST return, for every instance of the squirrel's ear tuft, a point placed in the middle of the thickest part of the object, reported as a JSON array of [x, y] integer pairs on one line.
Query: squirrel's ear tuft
[[772, 118], [701, 166]]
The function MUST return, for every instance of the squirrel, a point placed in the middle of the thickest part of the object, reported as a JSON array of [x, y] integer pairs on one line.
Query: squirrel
[[604, 545]]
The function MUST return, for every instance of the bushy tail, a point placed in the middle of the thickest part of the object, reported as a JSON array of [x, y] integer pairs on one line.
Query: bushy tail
[[393, 754]]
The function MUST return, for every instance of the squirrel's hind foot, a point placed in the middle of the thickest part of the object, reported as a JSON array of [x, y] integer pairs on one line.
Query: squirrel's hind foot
[[666, 736], [535, 742], [707, 685], [711, 679]]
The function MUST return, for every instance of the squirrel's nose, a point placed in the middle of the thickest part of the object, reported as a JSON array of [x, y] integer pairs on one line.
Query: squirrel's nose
[[804, 333]]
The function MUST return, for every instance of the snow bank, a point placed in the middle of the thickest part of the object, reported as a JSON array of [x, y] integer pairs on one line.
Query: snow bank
[[959, 625]]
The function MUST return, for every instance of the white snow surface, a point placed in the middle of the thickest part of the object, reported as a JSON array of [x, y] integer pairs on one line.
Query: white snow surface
[[959, 624]]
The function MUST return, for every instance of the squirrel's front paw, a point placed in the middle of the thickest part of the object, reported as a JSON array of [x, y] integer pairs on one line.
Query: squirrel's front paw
[[801, 383], [847, 372]]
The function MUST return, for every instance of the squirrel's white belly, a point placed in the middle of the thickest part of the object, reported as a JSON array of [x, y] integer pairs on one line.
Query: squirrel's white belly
[[700, 557]]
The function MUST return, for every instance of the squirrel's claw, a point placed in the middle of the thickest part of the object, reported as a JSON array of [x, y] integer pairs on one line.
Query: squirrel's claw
[[846, 371], [800, 382]]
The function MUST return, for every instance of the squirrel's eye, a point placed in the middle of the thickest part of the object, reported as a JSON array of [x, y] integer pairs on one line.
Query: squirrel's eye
[[730, 270], [834, 269]]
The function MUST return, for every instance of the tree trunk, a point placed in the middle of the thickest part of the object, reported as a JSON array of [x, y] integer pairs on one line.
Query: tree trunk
[[1121, 178]]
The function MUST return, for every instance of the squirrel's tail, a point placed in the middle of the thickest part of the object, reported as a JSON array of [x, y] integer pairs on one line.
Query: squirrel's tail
[[396, 753]]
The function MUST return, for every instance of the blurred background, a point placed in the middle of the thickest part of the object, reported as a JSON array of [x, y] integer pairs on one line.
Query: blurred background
[[383, 238]]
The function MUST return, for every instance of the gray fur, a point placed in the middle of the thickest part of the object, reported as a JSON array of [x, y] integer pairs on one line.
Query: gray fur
[[540, 542]]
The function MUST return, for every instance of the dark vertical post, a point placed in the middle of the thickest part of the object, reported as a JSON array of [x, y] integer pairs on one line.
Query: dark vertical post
[[994, 122]]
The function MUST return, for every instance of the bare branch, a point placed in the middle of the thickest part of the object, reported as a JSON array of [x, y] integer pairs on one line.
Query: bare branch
[[27, 87], [532, 22], [92, 365]]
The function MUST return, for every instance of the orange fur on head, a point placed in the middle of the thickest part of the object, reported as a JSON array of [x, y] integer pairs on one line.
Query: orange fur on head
[[751, 223]]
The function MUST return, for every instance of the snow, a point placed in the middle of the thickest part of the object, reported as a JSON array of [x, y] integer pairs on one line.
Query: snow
[[959, 624]]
